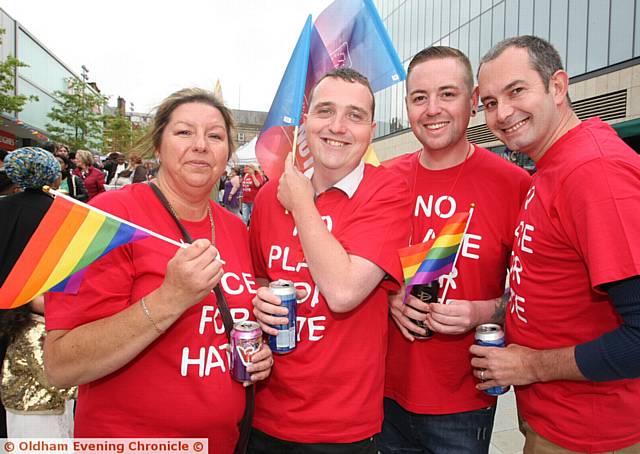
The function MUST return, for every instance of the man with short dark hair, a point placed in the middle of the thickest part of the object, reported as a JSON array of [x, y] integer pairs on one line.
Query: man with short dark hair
[[431, 403], [573, 320], [337, 240]]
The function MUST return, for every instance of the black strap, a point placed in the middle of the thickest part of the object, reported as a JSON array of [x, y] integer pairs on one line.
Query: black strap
[[227, 319]]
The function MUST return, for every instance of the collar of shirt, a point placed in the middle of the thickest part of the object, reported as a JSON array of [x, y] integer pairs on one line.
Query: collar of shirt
[[348, 184]]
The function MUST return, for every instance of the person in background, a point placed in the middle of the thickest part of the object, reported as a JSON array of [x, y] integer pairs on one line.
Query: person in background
[[232, 191], [573, 318], [251, 182], [139, 171], [92, 178], [71, 184], [110, 165]]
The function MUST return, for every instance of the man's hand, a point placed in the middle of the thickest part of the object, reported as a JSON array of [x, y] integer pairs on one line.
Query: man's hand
[[268, 310], [294, 189], [457, 317], [403, 313], [512, 365]]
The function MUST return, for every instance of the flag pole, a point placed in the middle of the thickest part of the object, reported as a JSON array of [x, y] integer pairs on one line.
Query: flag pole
[[455, 260], [295, 145], [109, 215]]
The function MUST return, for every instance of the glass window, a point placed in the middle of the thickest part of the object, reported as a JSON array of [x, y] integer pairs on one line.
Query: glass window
[[598, 34], [408, 29], [486, 5], [446, 18], [525, 25], [511, 18], [464, 11], [35, 112], [620, 46], [453, 39], [485, 33], [437, 17], [43, 70], [577, 42], [401, 34], [463, 41], [428, 24], [422, 24], [474, 42], [396, 29], [498, 24], [455, 14], [541, 18], [403, 111], [636, 46], [474, 11], [558, 27]]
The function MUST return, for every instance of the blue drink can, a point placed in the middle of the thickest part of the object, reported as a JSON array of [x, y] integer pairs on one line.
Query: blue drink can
[[285, 341], [491, 335]]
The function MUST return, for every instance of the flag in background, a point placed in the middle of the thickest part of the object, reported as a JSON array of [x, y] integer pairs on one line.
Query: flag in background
[[286, 108], [70, 237], [423, 263], [348, 33]]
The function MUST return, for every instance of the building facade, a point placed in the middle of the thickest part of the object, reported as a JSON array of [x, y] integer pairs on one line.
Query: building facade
[[598, 41], [44, 75]]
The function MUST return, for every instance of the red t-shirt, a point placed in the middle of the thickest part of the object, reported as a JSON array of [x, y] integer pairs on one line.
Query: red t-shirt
[[578, 229], [329, 389], [249, 188], [435, 376], [180, 385]]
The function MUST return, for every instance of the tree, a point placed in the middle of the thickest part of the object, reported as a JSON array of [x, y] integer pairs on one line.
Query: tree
[[9, 102], [118, 134], [77, 118]]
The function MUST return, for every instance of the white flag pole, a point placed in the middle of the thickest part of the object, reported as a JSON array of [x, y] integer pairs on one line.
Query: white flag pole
[[455, 260]]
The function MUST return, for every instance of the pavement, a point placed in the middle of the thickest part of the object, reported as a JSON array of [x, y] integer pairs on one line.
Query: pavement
[[506, 438]]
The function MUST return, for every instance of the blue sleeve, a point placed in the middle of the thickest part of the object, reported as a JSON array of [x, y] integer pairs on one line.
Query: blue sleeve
[[615, 355]]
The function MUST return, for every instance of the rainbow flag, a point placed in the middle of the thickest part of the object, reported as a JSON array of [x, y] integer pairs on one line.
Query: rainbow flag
[[69, 238], [425, 262]]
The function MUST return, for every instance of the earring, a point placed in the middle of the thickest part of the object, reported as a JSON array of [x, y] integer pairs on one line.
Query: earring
[[473, 112]]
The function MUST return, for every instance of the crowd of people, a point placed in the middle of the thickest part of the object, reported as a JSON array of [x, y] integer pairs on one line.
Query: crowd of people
[[145, 340]]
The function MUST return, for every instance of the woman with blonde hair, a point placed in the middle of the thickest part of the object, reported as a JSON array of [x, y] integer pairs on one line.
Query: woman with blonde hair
[[92, 178]]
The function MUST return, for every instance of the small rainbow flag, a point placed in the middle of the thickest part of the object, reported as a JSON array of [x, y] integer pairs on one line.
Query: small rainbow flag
[[70, 236], [426, 262]]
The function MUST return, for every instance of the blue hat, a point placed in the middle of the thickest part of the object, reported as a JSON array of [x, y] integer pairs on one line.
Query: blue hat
[[31, 167]]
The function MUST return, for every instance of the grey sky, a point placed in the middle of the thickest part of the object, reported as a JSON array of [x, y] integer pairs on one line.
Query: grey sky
[[144, 50]]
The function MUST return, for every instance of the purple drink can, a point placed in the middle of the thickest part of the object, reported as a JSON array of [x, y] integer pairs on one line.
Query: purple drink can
[[285, 340], [246, 338], [491, 335]]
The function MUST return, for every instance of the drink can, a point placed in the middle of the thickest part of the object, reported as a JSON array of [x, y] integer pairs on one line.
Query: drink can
[[491, 335], [246, 338], [427, 293], [285, 340]]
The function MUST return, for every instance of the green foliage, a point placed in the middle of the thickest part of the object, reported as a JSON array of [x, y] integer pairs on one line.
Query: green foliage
[[9, 102], [77, 119], [118, 134]]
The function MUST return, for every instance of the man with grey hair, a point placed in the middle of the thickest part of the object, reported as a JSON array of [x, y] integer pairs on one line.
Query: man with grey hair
[[573, 318]]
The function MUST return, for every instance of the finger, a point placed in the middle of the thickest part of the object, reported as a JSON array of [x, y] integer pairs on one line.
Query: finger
[[270, 309], [415, 303], [262, 354], [301, 293], [451, 310], [412, 327], [479, 363], [266, 322], [414, 314], [265, 294], [444, 328], [480, 351], [195, 249], [446, 320], [405, 332]]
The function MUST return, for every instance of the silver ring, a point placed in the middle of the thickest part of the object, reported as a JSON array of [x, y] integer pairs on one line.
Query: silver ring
[[482, 375]]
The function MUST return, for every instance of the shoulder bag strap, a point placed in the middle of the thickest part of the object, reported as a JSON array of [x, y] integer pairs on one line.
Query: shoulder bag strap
[[247, 417]]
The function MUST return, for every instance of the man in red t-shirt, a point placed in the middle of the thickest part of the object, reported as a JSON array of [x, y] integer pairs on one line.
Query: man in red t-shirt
[[337, 239], [431, 403], [251, 182], [573, 320]]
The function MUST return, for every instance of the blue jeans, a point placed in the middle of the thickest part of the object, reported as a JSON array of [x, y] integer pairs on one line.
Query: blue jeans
[[457, 433], [247, 209]]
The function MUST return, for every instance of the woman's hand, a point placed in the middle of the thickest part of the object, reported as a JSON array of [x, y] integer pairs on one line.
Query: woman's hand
[[261, 364], [192, 273]]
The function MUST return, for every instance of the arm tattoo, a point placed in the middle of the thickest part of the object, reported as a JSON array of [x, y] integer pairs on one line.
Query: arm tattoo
[[501, 307]]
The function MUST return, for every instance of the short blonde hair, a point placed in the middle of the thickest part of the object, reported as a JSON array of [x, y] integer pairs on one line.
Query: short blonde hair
[[85, 156]]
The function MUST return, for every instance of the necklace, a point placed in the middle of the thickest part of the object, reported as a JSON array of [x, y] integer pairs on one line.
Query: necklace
[[209, 213]]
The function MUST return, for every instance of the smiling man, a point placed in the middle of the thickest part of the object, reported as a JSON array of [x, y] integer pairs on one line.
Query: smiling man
[[573, 322], [337, 240], [431, 402]]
